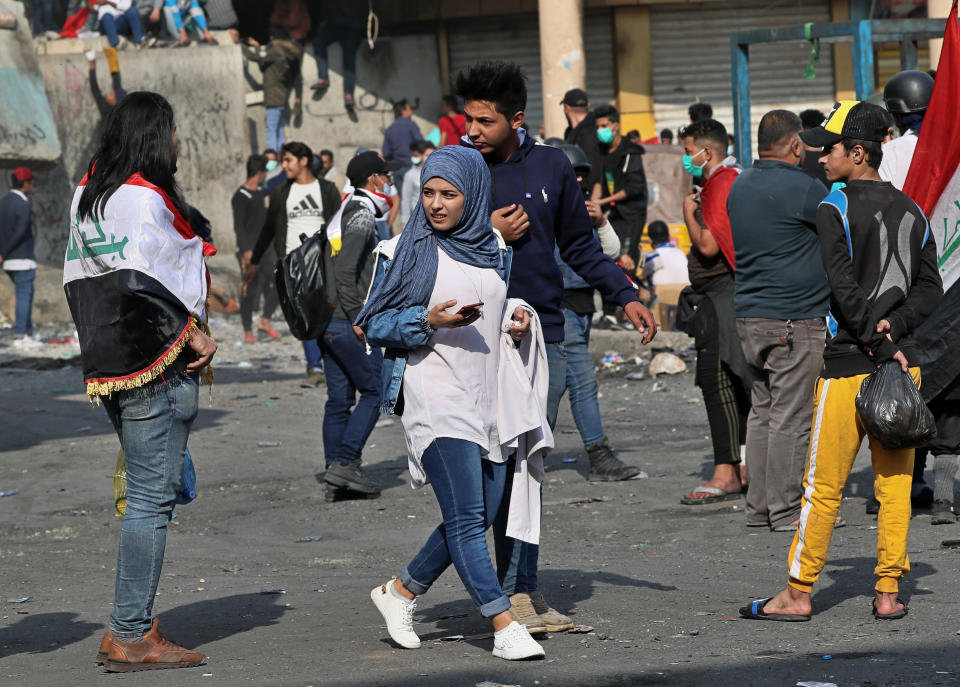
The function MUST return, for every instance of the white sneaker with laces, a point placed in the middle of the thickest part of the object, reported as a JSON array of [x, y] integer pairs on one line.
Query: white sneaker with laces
[[398, 614], [514, 643]]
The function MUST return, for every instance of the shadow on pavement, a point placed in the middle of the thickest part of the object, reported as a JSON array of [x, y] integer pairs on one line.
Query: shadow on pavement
[[913, 665], [194, 625], [44, 632], [564, 589]]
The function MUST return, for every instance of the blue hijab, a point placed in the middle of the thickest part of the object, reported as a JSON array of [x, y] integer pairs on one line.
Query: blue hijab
[[410, 280]]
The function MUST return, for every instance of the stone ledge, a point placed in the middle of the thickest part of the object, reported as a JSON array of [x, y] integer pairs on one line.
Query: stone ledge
[[628, 345]]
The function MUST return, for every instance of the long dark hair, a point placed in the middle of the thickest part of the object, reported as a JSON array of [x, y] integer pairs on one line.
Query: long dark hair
[[137, 137]]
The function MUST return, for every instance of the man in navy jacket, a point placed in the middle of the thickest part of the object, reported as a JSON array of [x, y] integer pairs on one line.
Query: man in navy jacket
[[16, 250], [538, 207]]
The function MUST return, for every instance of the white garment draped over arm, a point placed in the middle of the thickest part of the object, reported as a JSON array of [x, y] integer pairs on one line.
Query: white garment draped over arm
[[522, 420]]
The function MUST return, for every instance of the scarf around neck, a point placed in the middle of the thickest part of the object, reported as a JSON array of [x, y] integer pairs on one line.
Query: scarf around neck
[[377, 203], [410, 280]]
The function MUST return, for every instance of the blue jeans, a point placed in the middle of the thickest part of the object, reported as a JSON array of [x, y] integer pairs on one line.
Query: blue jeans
[[349, 370], [516, 560], [311, 351], [275, 139], [42, 16], [153, 423], [112, 26], [472, 493], [581, 379], [23, 291], [349, 39]]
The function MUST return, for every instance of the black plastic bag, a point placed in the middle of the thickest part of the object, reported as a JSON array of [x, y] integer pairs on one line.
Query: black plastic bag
[[892, 411], [301, 288]]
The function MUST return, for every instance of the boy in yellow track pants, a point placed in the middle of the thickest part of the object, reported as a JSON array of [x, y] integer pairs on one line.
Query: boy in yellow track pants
[[881, 262]]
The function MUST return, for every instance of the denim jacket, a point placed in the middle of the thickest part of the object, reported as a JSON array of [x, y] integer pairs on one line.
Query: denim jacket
[[399, 331]]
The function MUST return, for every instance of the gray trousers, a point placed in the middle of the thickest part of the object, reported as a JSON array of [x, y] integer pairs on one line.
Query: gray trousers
[[785, 357]]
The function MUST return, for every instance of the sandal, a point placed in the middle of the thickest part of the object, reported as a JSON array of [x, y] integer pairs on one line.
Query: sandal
[[896, 615], [716, 496], [755, 612]]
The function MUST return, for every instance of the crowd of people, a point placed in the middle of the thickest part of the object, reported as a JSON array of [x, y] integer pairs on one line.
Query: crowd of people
[[474, 321]]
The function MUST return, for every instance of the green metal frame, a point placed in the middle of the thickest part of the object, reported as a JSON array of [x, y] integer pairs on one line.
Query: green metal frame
[[861, 34]]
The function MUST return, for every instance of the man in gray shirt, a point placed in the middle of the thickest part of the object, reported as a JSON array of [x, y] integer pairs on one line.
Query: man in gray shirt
[[781, 297]]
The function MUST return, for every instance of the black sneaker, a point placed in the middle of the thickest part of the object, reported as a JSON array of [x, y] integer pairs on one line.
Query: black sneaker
[[873, 506], [942, 513], [921, 496], [350, 477], [606, 467]]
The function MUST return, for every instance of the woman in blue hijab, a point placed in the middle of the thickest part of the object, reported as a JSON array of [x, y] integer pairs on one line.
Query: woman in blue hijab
[[438, 310]]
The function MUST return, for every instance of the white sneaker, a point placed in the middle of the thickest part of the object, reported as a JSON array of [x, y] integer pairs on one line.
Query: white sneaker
[[398, 614], [514, 643], [26, 343]]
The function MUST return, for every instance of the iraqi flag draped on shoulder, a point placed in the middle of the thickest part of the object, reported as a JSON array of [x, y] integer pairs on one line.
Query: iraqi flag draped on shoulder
[[136, 284], [934, 177]]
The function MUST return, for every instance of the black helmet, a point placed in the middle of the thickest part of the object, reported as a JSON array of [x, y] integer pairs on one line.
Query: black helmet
[[577, 157], [908, 91], [554, 142]]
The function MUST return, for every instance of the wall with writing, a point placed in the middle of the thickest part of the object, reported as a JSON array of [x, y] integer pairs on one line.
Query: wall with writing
[[205, 87]]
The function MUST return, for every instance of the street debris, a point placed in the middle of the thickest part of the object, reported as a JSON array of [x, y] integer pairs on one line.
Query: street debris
[[636, 376], [666, 363], [658, 386], [946, 543], [814, 683], [268, 444], [385, 422], [611, 358], [580, 630], [268, 592], [489, 683], [23, 600], [9, 492]]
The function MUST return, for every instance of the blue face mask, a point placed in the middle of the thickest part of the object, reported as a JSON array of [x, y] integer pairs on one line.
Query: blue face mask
[[605, 135], [415, 160], [272, 165], [696, 171], [729, 150]]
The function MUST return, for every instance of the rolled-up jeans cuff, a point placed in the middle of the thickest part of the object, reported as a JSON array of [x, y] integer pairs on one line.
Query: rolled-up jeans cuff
[[416, 587], [495, 607]]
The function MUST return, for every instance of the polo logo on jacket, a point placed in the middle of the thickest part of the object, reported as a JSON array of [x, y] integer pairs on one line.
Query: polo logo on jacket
[[543, 192]]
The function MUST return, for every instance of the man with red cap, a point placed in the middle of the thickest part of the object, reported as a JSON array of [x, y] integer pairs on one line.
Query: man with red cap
[[16, 251]]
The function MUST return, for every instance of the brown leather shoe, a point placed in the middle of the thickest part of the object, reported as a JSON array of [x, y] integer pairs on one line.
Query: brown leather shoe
[[152, 652], [104, 648]]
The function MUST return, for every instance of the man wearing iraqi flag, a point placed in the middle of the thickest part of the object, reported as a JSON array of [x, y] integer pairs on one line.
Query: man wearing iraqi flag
[[136, 284], [933, 182]]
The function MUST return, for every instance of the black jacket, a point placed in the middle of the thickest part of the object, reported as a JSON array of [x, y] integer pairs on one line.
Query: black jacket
[[16, 232], [625, 166], [881, 262], [275, 227], [584, 136]]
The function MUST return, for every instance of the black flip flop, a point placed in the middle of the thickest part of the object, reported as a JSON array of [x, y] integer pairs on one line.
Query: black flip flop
[[755, 612], [896, 615]]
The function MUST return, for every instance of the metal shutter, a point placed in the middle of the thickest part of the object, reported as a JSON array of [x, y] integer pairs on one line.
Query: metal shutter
[[691, 52], [517, 39]]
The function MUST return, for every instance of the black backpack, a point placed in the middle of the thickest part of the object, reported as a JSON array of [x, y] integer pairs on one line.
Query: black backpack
[[301, 288]]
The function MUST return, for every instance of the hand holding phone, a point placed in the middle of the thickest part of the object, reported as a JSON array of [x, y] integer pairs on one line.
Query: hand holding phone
[[465, 310]]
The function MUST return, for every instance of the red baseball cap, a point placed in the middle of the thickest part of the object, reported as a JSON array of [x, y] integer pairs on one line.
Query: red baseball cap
[[22, 174]]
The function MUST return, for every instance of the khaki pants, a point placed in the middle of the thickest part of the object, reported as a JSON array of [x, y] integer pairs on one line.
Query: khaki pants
[[834, 441]]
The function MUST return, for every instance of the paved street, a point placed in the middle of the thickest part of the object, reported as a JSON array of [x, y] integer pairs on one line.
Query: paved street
[[658, 582]]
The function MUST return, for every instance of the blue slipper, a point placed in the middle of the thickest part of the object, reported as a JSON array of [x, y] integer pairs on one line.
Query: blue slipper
[[755, 612]]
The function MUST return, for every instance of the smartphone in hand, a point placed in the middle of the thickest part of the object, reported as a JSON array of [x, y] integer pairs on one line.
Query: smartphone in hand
[[467, 309]]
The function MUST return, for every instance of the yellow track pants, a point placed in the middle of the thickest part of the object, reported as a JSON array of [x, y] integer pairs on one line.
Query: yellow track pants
[[834, 441]]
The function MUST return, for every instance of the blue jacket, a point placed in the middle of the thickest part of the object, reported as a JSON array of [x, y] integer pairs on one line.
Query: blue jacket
[[541, 178], [400, 331]]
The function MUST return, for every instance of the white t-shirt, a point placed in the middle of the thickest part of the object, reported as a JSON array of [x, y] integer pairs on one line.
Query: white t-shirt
[[666, 264], [121, 7], [411, 193], [304, 213], [897, 156], [450, 384]]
